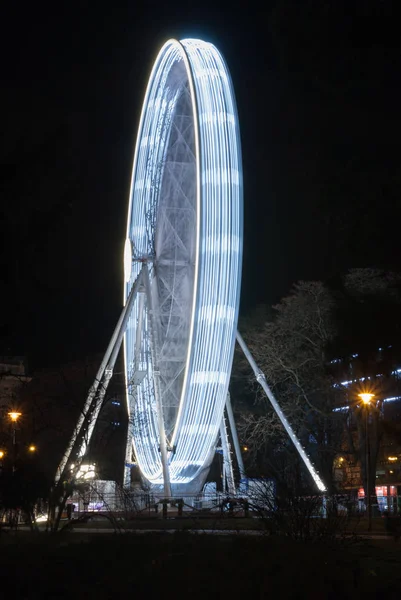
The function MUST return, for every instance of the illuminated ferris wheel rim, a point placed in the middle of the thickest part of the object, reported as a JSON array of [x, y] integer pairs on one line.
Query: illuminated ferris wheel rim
[[166, 45], [180, 46], [218, 251]]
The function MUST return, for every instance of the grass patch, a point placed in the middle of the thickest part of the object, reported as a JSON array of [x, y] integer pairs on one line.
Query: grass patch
[[195, 566]]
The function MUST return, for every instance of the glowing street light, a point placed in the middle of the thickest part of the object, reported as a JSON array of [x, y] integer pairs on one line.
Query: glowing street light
[[32, 448], [14, 416], [366, 398], [2, 454]]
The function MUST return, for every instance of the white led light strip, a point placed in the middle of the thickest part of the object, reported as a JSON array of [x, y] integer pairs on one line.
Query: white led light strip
[[186, 201]]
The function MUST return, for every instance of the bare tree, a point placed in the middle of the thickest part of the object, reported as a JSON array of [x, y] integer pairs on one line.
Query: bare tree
[[51, 404], [316, 339], [291, 349]]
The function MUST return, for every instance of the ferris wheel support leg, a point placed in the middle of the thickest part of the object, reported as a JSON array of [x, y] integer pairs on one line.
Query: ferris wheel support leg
[[138, 339], [234, 436], [108, 372], [128, 455], [156, 376], [261, 378], [86, 422], [228, 472], [131, 405]]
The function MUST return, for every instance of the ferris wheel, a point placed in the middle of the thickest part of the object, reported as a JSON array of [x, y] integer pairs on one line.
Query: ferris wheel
[[182, 266], [184, 238]]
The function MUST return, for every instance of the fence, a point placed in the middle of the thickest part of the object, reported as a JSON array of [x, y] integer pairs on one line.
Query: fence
[[106, 496]]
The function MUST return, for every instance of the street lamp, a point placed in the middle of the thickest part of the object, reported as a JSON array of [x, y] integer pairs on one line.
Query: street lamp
[[366, 398], [14, 416], [32, 448]]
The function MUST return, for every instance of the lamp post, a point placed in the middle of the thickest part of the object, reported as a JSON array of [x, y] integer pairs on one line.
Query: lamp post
[[366, 398], [14, 416]]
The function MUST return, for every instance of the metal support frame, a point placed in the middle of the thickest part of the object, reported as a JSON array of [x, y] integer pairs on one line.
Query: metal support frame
[[128, 451], [234, 436], [87, 419], [128, 455], [156, 383], [228, 473], [261, 378]]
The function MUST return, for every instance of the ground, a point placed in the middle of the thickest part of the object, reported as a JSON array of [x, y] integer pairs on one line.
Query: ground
[[183, 565]]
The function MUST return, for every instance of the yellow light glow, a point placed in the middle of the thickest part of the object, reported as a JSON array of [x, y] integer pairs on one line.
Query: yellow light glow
[[32, 448], [366, 397], [2, 454], [14, 416], [393, 458], [245, 448], [341, 459], [391, 472]]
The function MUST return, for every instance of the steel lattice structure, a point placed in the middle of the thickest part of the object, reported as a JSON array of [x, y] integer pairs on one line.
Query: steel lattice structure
[[183, 259]]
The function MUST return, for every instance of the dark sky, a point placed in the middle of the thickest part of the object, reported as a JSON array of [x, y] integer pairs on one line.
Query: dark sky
[[318, 93]]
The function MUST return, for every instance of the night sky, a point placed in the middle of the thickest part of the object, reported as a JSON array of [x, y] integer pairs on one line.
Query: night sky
[[318, 93]]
